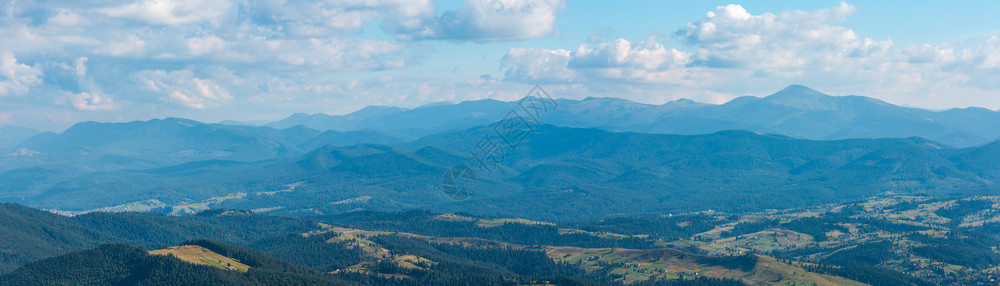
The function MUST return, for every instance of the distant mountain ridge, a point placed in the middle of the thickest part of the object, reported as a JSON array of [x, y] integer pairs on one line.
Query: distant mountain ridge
[[171, 141], [795, 111], [91, 147], [586, 152], [557, 173], [10, 135]]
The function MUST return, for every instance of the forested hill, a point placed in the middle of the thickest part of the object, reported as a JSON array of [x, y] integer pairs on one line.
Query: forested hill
[[316, 254], [28, 234], [901, 240], [118, 264]]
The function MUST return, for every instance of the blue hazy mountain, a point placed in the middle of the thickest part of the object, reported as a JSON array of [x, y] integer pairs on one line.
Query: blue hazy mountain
[[328, 122], [600, 160], [619, 173], [795, 111], [432, 118], [800, 112], [86, 148], [161, 142], [11, 135], [347, 138], [557, 173]]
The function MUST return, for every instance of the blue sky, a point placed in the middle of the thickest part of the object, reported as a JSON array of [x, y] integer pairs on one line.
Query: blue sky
[[63, 62]]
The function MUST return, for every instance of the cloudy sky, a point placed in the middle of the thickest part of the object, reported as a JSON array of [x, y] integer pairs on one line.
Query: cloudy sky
[[63, 62]]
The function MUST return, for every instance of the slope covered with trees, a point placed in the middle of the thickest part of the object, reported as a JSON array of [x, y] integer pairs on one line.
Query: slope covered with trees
[[882, 241]]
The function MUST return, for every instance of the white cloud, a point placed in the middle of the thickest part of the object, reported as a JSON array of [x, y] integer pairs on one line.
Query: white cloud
[[125, 45], [65, 17], [788, 42], [322, 18], [80, 66], [330, 54], [645, 61], [487, 20], [163, 57], [16, 78], [87, 101], [318, 54], [171, 12], [648, 56], [129, 48], [731, 51], [986, 57], [203, 45], [184, 88], [538, 65]]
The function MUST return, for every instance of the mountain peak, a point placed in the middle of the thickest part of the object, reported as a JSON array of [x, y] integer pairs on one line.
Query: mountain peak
[[610, 100], [592, 98], [802, 97], [174, 120], [798, 91], [375, 110], [301, 115]]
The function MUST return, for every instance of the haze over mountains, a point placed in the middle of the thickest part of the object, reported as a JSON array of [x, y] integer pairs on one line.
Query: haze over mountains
[[784, 175], [10, 136], [558, 173], [795, 111], [592, 158]]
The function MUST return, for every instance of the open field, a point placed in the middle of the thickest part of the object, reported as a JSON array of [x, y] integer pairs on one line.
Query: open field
[[639, 265], [200, 255]]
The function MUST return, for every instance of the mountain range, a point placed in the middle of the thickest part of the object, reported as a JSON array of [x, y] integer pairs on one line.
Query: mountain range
[[795, 111], [590, 158], [11, 135], [170, 141], [556, 173]]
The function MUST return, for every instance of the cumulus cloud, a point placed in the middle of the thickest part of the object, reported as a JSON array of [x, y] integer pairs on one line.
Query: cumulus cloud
[[485, 21], [303, 54], [985, 57], [65, 17], [124, 45], [184, 88], [730, 37], [644, 61], [87, 101], [538, 65], [731, 51], [477, 20], [206, 44], [143, 57], [15, 77], [621, 53], [171, 12], [335, 53], [80, 66], [135, 47], [321, 18]]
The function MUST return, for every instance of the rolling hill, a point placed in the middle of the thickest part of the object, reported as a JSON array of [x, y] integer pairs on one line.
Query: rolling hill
[[30, 234], [117, 264], [424, 248]]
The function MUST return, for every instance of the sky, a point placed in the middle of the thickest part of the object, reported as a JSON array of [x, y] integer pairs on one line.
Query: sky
[[63, 62]]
